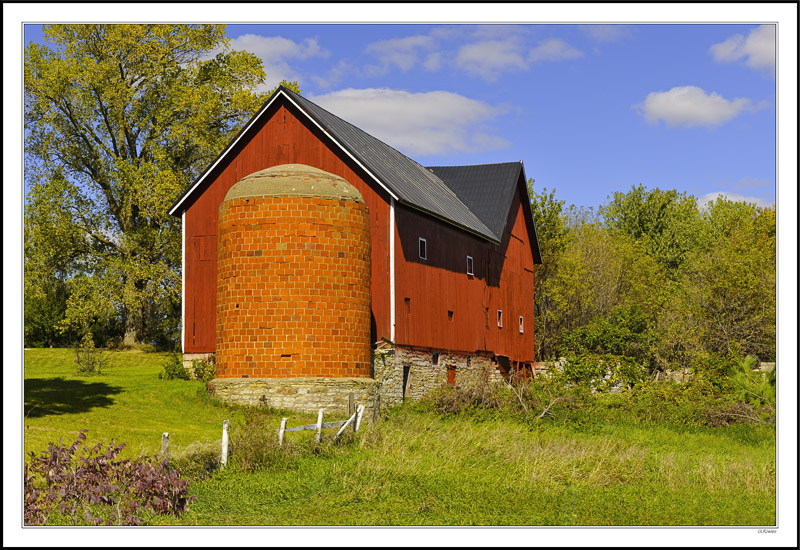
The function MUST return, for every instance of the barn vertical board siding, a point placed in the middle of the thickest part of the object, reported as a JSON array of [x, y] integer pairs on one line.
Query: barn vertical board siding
[[440, 284], [282, 136]]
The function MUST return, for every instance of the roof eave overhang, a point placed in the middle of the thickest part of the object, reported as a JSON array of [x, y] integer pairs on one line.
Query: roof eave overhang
[[177, 208], [510, 198], [535, 249], [483, 236]]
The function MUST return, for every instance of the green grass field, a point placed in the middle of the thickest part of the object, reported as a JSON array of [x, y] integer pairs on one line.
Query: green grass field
[[415, 467]]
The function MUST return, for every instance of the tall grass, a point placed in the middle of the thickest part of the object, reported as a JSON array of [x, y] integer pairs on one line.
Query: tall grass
[[416, 468], [602, 462]]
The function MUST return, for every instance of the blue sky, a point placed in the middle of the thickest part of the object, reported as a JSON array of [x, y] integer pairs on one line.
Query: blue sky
[[589, 109]]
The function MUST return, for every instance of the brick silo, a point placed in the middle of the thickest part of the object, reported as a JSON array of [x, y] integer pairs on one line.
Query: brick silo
[[293, 280]]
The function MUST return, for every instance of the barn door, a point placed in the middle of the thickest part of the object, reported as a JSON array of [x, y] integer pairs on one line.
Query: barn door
[[406, 371], [202, 294]]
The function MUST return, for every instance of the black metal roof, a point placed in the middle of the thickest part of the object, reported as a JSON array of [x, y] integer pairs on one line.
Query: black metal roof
[[486, 189], [476, 198]]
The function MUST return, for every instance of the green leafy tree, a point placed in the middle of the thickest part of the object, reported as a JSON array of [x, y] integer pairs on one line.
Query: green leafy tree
[[729, 289], [118, 120], [553, 234], [600, 272], [43, 312], [667, 223]]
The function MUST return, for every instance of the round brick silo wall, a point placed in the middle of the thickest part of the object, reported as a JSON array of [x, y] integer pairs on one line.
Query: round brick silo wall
[[293, 277]]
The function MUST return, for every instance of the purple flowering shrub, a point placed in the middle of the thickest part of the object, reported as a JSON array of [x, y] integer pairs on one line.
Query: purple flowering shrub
[[94, 487]]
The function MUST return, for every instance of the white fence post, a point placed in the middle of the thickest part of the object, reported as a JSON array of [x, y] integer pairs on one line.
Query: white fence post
[[345, 425], [282, 431], [224, 457], [318, 437], [359, 414], [164, 444]]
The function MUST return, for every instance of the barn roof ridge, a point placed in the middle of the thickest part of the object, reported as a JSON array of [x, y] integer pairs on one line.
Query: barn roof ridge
[[515, 162]]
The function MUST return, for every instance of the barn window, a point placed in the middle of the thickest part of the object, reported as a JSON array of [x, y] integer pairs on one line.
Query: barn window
[[521, 326], [435, 359], [500, 318], [470, 270], [423, 249]]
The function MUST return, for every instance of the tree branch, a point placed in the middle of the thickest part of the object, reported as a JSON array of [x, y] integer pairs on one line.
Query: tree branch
[[104, 112]]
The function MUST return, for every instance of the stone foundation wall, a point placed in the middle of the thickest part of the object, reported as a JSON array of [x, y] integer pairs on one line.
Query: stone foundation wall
[[298, 394], [189, 357], [422, 376], [386, 387]]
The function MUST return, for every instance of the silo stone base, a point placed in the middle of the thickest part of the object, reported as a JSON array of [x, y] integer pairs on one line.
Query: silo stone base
[[307, 395]]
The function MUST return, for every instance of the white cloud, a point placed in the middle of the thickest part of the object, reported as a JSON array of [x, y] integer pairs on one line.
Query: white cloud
[[278, 47], [433, 62], [553, 49], [746, 183], [334, 75], [489, 59], [758, 48], [495, 32], [447, 32], [689, 106], [275, 52], [426, 123], [708, 198], [402, 53], [605, 33]]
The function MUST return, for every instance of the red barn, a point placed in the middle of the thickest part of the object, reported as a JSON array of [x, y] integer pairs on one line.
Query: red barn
[[452, 247]]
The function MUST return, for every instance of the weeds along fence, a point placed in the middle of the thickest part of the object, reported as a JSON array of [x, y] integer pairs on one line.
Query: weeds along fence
[[353, 422]]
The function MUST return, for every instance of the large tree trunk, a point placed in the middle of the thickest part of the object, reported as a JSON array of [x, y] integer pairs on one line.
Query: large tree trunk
[[135, 329], [130, 336]]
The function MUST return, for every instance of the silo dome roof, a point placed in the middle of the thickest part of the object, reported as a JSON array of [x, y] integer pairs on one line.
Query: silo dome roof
[[294, 180]]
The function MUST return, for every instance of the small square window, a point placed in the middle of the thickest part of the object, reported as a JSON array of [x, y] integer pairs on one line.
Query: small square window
[[521, 326], [470, 266], [500, 318], [435, 359], [423, 249]]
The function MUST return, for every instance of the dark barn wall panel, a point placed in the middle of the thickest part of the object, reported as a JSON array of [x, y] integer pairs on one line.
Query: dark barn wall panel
[[282, 136]]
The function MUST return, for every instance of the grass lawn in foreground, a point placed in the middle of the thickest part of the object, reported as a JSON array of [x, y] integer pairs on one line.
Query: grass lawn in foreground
[[419, 469], [127, 403], [416, 467]]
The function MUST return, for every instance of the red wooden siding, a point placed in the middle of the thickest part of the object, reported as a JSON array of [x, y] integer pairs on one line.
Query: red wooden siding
[[439, 306], [282, 136]]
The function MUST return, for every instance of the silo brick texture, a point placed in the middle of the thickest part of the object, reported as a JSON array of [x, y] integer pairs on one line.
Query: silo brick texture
[[293, 282]]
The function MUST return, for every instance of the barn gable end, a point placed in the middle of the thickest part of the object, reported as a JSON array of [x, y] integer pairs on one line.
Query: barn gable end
[[280, 136]]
